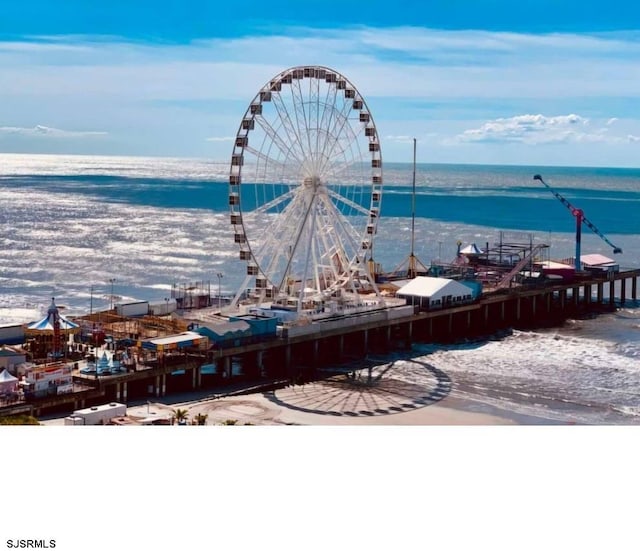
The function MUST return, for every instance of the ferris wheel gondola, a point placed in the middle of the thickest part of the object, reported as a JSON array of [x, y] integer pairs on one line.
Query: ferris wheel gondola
[[305, 188]]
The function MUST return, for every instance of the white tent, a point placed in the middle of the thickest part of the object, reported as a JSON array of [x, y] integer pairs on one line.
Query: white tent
[[435, 292], [8, 382], [471, 249]]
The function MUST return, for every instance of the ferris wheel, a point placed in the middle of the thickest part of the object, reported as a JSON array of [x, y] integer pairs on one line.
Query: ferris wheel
[[305, 187]]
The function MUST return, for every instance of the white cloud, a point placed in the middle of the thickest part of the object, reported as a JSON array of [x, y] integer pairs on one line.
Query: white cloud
[[633, 138], [163, 98], [393, 62], [47, 131], [399, 139], [537, 129]]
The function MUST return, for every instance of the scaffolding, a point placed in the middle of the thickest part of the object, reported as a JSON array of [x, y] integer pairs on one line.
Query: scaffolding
[[192, 295], [498, 266]]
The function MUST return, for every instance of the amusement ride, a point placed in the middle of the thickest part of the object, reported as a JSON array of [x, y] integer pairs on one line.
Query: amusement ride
[[305, 189]]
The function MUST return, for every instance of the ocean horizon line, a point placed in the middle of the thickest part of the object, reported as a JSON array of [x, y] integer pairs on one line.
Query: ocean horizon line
[[385, 163]]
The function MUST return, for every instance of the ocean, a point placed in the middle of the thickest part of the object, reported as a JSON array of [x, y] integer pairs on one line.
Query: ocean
[[70, 224]]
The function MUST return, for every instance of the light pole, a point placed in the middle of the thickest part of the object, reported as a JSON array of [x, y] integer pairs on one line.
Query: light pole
[[440, 250], [220, 275], [112, 280]]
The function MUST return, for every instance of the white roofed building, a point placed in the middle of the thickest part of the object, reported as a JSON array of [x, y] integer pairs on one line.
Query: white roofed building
[[599, 262], [435, 292], [10, 357]]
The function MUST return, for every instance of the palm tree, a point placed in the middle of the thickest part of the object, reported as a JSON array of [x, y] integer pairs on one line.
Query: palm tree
[[181, 415], [201, 418]]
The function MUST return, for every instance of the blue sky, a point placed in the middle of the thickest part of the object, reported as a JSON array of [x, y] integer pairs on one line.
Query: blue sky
[[528, 82]]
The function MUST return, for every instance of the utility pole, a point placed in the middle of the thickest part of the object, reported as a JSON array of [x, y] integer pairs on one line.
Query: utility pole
[[220, 275], [112, 280]]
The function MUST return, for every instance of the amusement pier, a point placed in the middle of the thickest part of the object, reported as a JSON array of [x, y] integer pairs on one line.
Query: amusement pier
[[305, 197], [109, 357]]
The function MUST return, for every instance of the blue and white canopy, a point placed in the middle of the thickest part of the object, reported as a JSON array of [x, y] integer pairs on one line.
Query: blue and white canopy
[[46, 323]]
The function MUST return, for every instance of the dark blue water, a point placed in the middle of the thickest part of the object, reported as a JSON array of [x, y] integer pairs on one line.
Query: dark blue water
[[499, 197]]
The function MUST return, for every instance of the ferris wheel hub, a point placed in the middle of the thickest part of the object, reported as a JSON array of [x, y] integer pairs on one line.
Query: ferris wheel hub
[[313, 182]]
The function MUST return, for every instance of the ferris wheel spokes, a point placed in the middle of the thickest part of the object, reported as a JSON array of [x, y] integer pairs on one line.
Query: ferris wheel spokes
[[342, 199], [263, 157], [263, 209], [287, 150], [317, 199], [289, 227], [287, 124], [340, 125]]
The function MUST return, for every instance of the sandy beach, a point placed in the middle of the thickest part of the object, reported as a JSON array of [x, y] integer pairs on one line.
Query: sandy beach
[[337, 401]]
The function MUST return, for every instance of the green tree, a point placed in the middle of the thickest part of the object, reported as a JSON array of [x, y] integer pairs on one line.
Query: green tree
[[18, 420], [181, 415], [201, 418]]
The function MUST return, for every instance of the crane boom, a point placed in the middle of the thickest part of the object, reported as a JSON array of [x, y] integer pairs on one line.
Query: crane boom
[[580, 219], [616, 250]]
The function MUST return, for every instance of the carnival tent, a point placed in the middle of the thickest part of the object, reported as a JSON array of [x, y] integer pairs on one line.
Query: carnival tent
[[46, 324], [471, 249], [8, 382], [49, 333]]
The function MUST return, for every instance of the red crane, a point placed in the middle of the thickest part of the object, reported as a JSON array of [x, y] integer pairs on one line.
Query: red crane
[[580, 219]]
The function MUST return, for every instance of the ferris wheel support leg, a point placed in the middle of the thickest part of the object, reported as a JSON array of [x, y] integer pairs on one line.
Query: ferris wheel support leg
[[287, 361]]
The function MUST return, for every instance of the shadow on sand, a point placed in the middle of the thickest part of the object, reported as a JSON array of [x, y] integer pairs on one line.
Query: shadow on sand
[[366, 391]]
